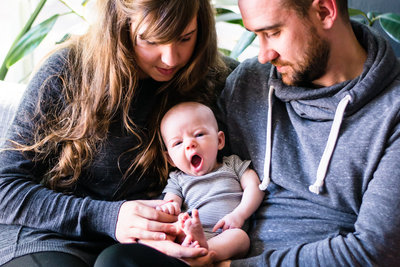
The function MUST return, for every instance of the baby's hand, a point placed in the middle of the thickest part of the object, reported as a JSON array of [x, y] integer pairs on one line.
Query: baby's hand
[[171, 208], [229, 221]]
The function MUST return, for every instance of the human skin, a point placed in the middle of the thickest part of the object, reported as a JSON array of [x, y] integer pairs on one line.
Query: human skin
[[139, 219], [192, 145], [296, 45], [162, 61], [198, 136]]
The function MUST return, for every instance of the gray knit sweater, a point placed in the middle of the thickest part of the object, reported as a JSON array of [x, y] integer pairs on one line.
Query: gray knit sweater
[[34, 218], [354, 220]]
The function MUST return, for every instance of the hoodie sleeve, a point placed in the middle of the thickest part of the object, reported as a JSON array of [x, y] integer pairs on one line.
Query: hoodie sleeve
[[23, 199]]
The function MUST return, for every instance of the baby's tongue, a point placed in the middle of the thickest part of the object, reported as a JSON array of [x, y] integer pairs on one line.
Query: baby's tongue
[[196, 160]]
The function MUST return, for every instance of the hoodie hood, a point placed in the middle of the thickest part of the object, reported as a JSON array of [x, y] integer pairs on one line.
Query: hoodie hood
[[321, 103], [333, 102]]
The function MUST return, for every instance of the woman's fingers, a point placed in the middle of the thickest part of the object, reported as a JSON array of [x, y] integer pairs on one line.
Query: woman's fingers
[[175, 250], [136, 220]]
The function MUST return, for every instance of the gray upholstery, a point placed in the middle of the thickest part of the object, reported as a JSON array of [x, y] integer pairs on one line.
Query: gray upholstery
[[10, 96]]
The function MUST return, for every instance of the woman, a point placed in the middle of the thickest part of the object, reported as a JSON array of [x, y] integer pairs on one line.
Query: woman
[[83, 141]]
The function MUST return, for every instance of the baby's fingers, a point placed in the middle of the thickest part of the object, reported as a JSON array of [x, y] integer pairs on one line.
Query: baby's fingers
[[219, 225]]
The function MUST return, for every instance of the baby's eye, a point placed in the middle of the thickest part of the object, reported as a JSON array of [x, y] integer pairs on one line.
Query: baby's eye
[[199, 134], [177, 143]]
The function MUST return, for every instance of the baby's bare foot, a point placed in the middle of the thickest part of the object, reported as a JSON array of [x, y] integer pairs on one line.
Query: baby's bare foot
[[194, 231]]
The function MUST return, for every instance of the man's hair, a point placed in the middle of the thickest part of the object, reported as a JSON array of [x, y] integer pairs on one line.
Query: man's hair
[[302, 7]]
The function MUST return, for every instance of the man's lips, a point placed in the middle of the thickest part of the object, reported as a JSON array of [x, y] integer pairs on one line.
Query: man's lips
[[165, 71]]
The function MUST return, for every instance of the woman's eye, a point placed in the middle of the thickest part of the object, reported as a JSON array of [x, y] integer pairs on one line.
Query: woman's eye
[[187, 39], [146, 41]]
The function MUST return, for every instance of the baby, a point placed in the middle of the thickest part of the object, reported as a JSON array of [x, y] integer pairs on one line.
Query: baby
[[218, 195]]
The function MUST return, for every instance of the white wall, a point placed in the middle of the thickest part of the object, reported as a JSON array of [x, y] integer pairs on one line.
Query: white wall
[[13, 16]]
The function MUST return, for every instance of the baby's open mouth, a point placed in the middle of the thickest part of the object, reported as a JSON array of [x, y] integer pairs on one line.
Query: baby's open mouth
[[196, 161]]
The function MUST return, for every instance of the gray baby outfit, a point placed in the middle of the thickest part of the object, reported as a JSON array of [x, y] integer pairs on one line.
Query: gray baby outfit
[[214, 194]]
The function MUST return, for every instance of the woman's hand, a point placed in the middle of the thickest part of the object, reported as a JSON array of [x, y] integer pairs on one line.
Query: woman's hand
[[203, 261], [176, 250], [139, 219]]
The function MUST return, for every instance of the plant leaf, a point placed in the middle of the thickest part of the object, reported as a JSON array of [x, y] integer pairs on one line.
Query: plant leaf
[[356, 12], [31, 40], [245, 40], [84, 2], [226, 2], [222, 10], [232, 18], [390, 23]]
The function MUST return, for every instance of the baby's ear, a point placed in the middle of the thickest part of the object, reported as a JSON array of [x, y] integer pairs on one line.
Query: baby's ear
[[221, 140], [169, 159]]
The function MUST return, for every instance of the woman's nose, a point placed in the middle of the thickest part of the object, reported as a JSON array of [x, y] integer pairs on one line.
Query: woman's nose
[[169, 55]]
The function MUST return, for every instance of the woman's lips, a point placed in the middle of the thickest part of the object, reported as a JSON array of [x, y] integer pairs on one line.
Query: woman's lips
[[166, 72]]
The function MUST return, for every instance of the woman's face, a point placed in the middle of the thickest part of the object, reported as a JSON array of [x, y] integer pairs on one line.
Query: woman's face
[[162, 61]]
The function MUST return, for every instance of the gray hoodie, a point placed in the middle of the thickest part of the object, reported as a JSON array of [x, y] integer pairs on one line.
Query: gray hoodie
[[328, 162]]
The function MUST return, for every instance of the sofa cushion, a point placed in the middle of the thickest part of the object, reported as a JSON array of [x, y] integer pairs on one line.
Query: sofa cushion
[[10, 96]]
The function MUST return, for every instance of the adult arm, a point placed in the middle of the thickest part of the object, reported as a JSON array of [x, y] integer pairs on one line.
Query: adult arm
[[25, 201]]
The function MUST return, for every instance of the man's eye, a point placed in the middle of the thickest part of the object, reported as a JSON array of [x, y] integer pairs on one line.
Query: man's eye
[[273, 34]]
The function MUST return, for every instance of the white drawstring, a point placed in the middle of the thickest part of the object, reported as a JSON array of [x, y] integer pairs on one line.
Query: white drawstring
[[267, 161], [332, 139]]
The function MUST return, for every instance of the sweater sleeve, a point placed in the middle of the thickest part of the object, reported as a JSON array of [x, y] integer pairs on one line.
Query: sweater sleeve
[[23, 199]]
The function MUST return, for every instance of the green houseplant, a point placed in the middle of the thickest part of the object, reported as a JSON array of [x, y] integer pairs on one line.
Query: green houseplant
[[30, 37]]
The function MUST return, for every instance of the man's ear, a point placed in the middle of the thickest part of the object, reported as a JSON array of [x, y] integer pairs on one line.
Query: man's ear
[[169, 159], [221, 140], [326, 12]]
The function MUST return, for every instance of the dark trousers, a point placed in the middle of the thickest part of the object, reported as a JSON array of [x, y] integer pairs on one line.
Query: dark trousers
[[135, 255], [119, 255], [47, 259]]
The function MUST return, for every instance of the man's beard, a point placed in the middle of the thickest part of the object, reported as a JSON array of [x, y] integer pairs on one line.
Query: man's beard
[[313, 64]]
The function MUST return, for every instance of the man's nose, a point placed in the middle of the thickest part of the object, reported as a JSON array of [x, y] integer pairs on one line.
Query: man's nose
[[266, 53]]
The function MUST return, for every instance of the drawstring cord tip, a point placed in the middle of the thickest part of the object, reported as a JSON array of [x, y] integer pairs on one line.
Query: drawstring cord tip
[[316, 189], [262, 187], [264, 184]]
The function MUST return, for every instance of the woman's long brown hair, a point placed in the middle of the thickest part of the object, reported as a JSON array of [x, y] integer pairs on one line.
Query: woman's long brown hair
[[101, 79]]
